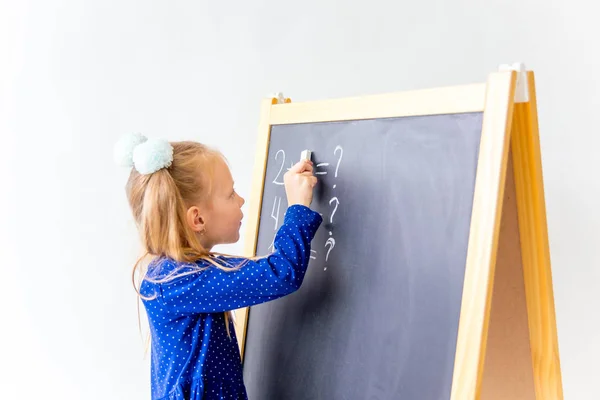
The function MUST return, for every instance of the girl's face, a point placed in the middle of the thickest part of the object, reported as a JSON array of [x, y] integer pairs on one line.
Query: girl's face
[[222, 218]]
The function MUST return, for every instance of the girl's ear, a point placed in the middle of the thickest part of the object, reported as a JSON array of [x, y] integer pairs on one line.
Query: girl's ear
[[195, 219]]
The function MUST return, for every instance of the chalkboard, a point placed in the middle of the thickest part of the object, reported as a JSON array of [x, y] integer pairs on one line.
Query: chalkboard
[[377, 315]]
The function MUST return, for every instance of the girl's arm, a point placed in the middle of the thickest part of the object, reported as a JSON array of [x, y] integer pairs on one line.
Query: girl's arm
[[279, 274]]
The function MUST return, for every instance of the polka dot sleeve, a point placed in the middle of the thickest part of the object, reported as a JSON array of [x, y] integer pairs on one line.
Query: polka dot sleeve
[[271, 277]]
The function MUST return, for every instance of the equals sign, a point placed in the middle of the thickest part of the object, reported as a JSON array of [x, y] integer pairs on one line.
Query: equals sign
[[322, 165]]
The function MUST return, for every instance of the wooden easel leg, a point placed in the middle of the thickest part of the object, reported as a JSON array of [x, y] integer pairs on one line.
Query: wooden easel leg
[[522, 358], [525, 144]]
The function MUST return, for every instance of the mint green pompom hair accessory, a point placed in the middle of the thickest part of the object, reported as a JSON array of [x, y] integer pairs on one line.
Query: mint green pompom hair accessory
[[152, 155], [146, 155], [123, 151]]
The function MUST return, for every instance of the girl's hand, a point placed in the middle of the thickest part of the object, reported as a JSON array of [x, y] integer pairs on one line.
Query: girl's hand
[[299, 183]]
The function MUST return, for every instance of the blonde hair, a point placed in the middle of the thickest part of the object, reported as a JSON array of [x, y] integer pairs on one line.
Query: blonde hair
[[159, 203]]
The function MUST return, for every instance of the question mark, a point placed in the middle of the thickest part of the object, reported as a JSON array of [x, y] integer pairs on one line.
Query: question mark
[[339, 159], [331, 243], [337, 203]]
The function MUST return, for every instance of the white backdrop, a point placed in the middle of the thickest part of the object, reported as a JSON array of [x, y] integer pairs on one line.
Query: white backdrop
[[76, 74]]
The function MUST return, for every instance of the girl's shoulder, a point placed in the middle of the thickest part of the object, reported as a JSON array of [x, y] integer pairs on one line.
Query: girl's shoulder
[[166, 272], [164, 268]]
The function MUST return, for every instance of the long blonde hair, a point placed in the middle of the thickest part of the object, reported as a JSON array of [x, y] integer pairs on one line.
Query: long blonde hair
[[159, 202]]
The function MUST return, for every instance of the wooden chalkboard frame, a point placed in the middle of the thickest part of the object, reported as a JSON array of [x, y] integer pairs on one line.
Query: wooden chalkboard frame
[[508, 239]]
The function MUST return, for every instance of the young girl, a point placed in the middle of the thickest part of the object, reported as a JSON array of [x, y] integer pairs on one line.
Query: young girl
[[184, 203]]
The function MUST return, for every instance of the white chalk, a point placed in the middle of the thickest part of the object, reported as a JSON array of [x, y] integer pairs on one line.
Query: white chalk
[[306, 155]]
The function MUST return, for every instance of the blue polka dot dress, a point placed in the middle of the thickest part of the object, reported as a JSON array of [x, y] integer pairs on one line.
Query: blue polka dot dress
[[192, 355]]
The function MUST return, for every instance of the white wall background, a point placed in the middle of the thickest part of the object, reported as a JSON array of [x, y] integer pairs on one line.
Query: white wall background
[[76, 74]]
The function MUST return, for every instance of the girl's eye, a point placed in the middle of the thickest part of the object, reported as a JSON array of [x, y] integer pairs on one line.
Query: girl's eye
[[232, 195]]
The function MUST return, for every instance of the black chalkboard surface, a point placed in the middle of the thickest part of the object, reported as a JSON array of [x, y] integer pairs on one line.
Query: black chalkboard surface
[[430, 277], [377, 315]]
